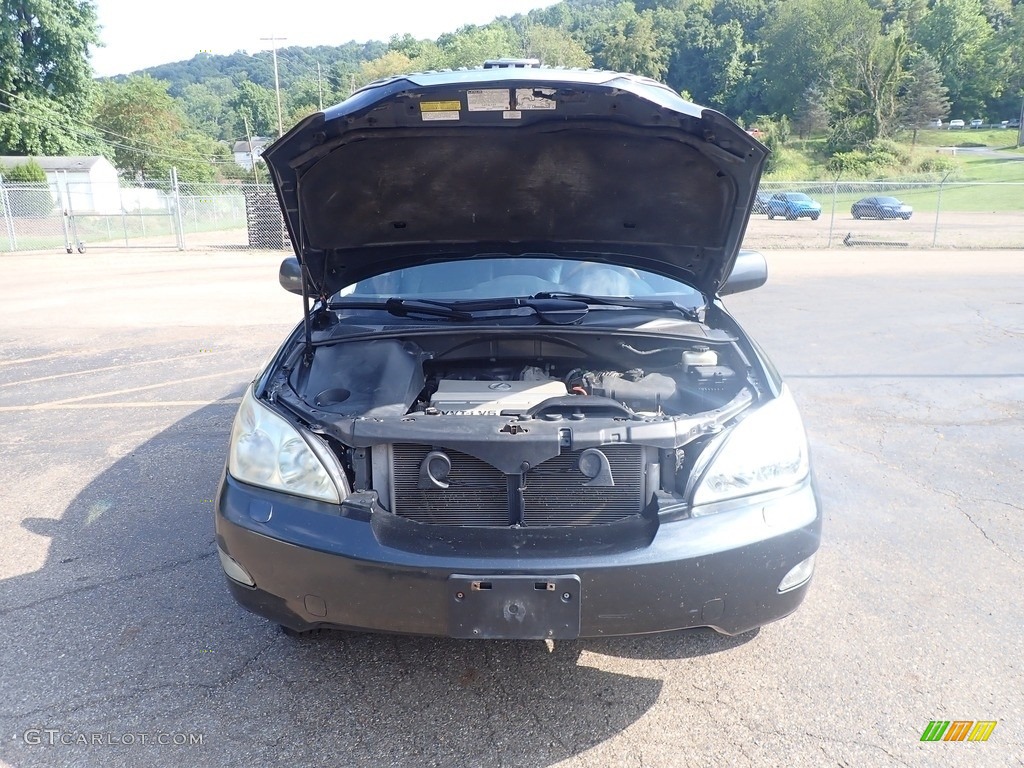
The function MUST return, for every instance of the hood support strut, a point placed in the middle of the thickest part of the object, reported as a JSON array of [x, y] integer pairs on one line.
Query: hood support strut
[[307, 323]]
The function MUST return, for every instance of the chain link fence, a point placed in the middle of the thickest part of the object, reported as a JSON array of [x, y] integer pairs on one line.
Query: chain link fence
[[81, 215], [943, 214]]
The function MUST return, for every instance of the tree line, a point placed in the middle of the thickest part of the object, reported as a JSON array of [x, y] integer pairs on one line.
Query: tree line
[[856, 71]]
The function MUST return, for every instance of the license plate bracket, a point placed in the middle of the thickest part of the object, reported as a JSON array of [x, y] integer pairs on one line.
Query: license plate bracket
[[514, 607]]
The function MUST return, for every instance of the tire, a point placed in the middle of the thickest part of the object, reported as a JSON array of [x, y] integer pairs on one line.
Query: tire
[[855, 215], [905, 217], [771, 215], [814, 216]]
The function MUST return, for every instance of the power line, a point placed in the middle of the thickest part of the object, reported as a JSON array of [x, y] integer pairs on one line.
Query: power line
[[94, 128], [95, 136], [277, 83]]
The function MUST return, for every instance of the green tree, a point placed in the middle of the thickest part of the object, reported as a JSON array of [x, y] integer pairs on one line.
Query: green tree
[[555, 48], [30, 172], [630, 43], [205, 109], [391, 63], [712, 61], [472, 46], [45, 75], [924, 98], [255, 104], [959, 36], [878, 77], [814, 41], [30, 196], [812, 115], [148, 133]]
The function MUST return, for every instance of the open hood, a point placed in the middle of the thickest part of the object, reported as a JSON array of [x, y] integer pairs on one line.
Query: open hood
[[448, 165]]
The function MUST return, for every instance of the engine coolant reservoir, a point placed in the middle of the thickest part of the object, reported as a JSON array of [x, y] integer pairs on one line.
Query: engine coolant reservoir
[[699, 356]]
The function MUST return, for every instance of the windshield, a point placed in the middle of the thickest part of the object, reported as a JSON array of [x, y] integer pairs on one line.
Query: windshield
[[888, 201], [497, 277]]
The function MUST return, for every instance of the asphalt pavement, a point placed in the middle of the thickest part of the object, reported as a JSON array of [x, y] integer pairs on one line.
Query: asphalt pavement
[[119, 644]]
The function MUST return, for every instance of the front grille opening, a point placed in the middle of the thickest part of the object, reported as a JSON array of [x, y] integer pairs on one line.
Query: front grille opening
[[556, 492]]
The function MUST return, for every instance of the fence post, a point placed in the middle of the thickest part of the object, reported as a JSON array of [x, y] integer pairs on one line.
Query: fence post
[[832, 219], [179, 226], [76, 241], [66, 216], [5, 203], [938, 206]]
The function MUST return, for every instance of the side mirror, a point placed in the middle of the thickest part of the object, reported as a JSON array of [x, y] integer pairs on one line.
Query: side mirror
[[290, 276], [750, 271]]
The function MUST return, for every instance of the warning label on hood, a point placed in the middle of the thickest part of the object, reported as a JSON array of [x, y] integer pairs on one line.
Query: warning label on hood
[[535, 98], [489, 100], [440, 110]]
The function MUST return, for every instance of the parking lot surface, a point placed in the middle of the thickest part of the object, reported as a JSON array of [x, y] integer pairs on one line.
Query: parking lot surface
[[119, 645]]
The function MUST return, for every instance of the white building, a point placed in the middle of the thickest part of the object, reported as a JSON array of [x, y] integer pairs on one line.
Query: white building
[[85, 184], [244, 156]]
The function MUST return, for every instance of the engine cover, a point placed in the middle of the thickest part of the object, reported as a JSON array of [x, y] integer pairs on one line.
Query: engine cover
[[493, 397]]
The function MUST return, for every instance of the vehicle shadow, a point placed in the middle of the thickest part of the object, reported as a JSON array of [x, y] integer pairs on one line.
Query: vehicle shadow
[[128, 628]]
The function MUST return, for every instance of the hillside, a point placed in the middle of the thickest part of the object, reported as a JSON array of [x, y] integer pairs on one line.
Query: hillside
[[336, 62]]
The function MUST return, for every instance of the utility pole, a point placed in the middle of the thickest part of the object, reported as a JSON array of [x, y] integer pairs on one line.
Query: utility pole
[[277, 83], [320, 86], [252, 157], [1020, 128]]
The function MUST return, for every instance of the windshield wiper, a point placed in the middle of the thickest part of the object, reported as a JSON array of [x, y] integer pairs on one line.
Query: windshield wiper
[[405, 307], [692, 313], [555, 310]]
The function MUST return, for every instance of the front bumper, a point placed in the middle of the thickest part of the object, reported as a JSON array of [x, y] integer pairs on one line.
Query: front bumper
[[315, 568]]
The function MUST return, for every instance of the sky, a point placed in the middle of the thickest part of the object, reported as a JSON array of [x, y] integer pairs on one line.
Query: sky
[[138, 35]]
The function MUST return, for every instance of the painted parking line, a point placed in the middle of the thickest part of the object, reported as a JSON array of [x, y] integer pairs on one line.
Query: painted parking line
[[232, 401], [50, 356], [116, 392], [99, 370]]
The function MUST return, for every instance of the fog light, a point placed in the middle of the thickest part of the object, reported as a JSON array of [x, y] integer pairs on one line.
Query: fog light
[[798, 574], [234, 570]]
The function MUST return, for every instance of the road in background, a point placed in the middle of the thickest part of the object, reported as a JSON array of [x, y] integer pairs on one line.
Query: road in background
[[119, 377]]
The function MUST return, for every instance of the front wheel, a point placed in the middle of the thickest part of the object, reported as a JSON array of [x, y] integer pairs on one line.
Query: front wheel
[[814, 216]]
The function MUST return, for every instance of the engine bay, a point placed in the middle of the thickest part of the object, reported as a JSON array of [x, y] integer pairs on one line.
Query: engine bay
[[514, 376]]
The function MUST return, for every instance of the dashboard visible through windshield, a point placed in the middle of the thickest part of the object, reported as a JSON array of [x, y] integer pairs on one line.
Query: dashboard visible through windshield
[[486, 278]]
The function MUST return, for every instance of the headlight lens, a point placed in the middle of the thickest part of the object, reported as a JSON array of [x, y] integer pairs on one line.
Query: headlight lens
[[268, 451], [764, 452]]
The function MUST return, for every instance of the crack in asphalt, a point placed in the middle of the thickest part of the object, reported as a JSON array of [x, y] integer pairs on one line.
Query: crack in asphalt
[[155, 570], [100, 698], [1004, 503], [995, 326], [957, 504]]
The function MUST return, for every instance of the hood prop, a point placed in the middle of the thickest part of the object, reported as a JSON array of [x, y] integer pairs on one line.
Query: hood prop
[[307, 323]]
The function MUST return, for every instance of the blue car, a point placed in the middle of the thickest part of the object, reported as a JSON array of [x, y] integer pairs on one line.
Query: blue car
[[881, 208], [793, 205]]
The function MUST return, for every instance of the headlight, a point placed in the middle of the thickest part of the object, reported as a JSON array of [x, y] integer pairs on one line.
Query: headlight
[[268, 451], [764, 452]]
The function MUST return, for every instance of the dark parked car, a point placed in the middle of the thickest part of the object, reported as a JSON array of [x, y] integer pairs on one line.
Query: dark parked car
[[881, 208], [793, 205], [760, 203], [516, 406]]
